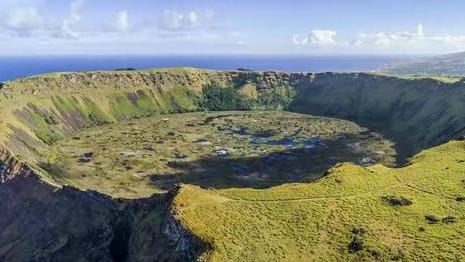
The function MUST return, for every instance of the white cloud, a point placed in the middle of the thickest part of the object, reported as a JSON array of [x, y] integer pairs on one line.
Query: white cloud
[[70, 27], [122, 21], [412, 42], [401, 42], [450, 41], [172, 20], [22, 20], [320, 38], [8, 4], [396, 39]]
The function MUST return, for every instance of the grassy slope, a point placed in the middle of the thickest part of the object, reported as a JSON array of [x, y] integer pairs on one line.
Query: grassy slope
[[39, 110], [418, 113], [314, 221]]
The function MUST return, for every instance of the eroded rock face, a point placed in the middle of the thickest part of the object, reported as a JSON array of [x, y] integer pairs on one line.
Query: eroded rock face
[[42, 223], [10, 167], [187, 245]]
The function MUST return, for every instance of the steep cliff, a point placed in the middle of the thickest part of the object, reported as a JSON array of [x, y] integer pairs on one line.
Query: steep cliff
[[417, 114], [41, 222]]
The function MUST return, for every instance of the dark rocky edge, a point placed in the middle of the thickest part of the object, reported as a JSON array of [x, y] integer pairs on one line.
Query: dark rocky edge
[[187, 245], [41, 222]]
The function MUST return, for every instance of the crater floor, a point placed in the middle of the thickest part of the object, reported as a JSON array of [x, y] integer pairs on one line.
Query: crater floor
[[220, 150]]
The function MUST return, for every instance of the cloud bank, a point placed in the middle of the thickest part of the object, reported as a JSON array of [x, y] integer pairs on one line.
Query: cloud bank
[[70, 27], [410, 42], [75, 25], [22, 20], [172, 20]]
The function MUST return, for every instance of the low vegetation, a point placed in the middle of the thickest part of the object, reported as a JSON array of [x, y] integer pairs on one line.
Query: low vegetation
[[397, 201], [344, 216], [221, 150], [218, 98]]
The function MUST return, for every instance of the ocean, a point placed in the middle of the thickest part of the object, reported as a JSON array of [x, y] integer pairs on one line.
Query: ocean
[[16, 67]]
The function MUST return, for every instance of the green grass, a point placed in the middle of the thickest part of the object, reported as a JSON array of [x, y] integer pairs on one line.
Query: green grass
[[140, 157], [75, 101], [95, 113], [301, 222]]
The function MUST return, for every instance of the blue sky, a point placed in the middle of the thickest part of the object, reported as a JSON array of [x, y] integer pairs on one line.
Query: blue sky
[[331, 27]]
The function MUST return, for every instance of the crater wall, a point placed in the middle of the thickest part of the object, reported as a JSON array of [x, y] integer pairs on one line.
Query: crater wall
[[35, 112]]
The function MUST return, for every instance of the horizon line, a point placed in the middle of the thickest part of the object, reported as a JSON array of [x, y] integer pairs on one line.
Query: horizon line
[[220, 54]]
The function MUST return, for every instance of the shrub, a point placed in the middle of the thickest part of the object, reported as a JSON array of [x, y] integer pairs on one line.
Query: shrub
[[356, 244], [460, 198], [217, 98], [397, 201], [359, 231], [432, 219], [276, 98], [98, 119], [449, 220]]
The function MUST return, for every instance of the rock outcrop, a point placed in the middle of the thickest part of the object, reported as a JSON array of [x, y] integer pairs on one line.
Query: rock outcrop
[[41, 222], [187, 245], [10, 167]]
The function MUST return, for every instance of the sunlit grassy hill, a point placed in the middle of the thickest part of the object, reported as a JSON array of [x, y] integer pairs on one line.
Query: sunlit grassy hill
[[414, 213]]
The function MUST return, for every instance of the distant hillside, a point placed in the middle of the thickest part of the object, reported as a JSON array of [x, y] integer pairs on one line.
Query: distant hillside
[[444, 65]]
